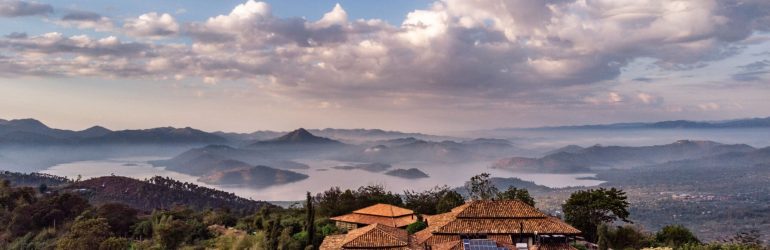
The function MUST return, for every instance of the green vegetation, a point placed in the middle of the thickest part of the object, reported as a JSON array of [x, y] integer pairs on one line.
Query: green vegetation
[[59, 218], [481, 187], [676, 236], [432, 201], [588, 209]]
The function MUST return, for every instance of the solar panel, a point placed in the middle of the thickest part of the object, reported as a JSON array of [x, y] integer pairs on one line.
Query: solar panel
[[480, 244]]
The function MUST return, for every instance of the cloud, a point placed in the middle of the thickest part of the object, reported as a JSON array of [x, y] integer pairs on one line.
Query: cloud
[[16, 8], [477, 54], [710, 106], [17, 35], [152, 25], [86, 20], [649, 99], [752, 71]]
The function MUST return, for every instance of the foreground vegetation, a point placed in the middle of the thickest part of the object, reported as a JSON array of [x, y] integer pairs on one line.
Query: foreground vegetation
[[54, 217]]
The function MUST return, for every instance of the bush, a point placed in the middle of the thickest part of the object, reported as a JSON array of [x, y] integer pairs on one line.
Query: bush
[[85, 234], [114, 243], [675, 236], [416, 226]]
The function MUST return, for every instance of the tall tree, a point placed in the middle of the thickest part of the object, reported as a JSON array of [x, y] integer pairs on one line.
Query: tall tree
[[432, 201], [449, 200], [481, 188], [587, 209], [520, 194], [310, 221]]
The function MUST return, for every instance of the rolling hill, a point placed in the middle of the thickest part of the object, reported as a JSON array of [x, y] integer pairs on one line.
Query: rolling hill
[[160, 193], [574, 159]]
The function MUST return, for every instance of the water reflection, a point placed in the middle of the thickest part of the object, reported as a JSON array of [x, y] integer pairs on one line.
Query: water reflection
[[451, 175]]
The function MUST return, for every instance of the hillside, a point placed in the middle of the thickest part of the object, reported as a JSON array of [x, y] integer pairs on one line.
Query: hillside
[[34, 132], [255, 177], [411, 173], [200, 161], [160, 193], [33, 179], [675, 124], [575, 159], [412, 149]]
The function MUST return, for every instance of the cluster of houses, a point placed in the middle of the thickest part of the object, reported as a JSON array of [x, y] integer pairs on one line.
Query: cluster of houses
[[493, 225]]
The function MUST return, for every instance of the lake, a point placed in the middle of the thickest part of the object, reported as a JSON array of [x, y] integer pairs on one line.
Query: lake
[[322, 176]]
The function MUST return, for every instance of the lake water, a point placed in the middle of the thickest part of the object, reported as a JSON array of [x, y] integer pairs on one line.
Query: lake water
[[322, 176]]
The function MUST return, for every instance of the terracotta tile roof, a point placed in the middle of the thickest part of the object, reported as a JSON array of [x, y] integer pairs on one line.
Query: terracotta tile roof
[[372, 219], [376, 236], [499, 209], [451, 245], [507, 226], [332, 242], [497, 219], [562, 246], [384, 210], [501, 238]]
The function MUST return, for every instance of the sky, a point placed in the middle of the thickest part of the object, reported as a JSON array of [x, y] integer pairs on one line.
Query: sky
[[410, 65]]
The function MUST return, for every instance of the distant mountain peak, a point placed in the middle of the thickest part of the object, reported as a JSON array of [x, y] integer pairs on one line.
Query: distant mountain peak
[[301, 135], [27, 123], [95, 131]]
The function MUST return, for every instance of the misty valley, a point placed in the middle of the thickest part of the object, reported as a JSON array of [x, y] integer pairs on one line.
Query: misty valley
[[669, 179]]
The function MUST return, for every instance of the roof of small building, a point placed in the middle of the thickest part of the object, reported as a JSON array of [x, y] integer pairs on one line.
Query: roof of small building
[[375, 236], [490, 217], [372, 219], [386, 210], [499, 209]]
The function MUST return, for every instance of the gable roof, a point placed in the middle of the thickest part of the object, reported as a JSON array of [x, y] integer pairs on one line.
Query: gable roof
[[376, 235], [499, 209], [490, 217], [373, 219], [386, 210], [547, 225]]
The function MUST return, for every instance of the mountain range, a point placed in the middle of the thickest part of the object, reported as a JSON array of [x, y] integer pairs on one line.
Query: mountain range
[[34, 132], [573, 159], [674, 124]]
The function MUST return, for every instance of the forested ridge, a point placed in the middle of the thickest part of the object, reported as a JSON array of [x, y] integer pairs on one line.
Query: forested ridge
[[102, 213]]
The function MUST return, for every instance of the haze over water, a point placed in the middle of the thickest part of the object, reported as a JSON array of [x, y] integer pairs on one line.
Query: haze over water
[[454, 176]]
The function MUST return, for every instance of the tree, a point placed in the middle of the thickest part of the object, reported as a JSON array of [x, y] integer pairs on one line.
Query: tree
[[628, 237], [334, 201], [587, 209], [310, 220], [481, 188], [449, 200], [602, 235], [439, 199], [167, 232], [120, 217], [85, 234], [675, 236], [513, 193]]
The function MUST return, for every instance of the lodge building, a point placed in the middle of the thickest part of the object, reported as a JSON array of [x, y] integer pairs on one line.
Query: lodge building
[[495, 225], [384, 214]]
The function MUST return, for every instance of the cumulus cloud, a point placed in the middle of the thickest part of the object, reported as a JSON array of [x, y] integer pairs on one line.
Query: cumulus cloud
[[16, 8], [152, 25], [485, 52]]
